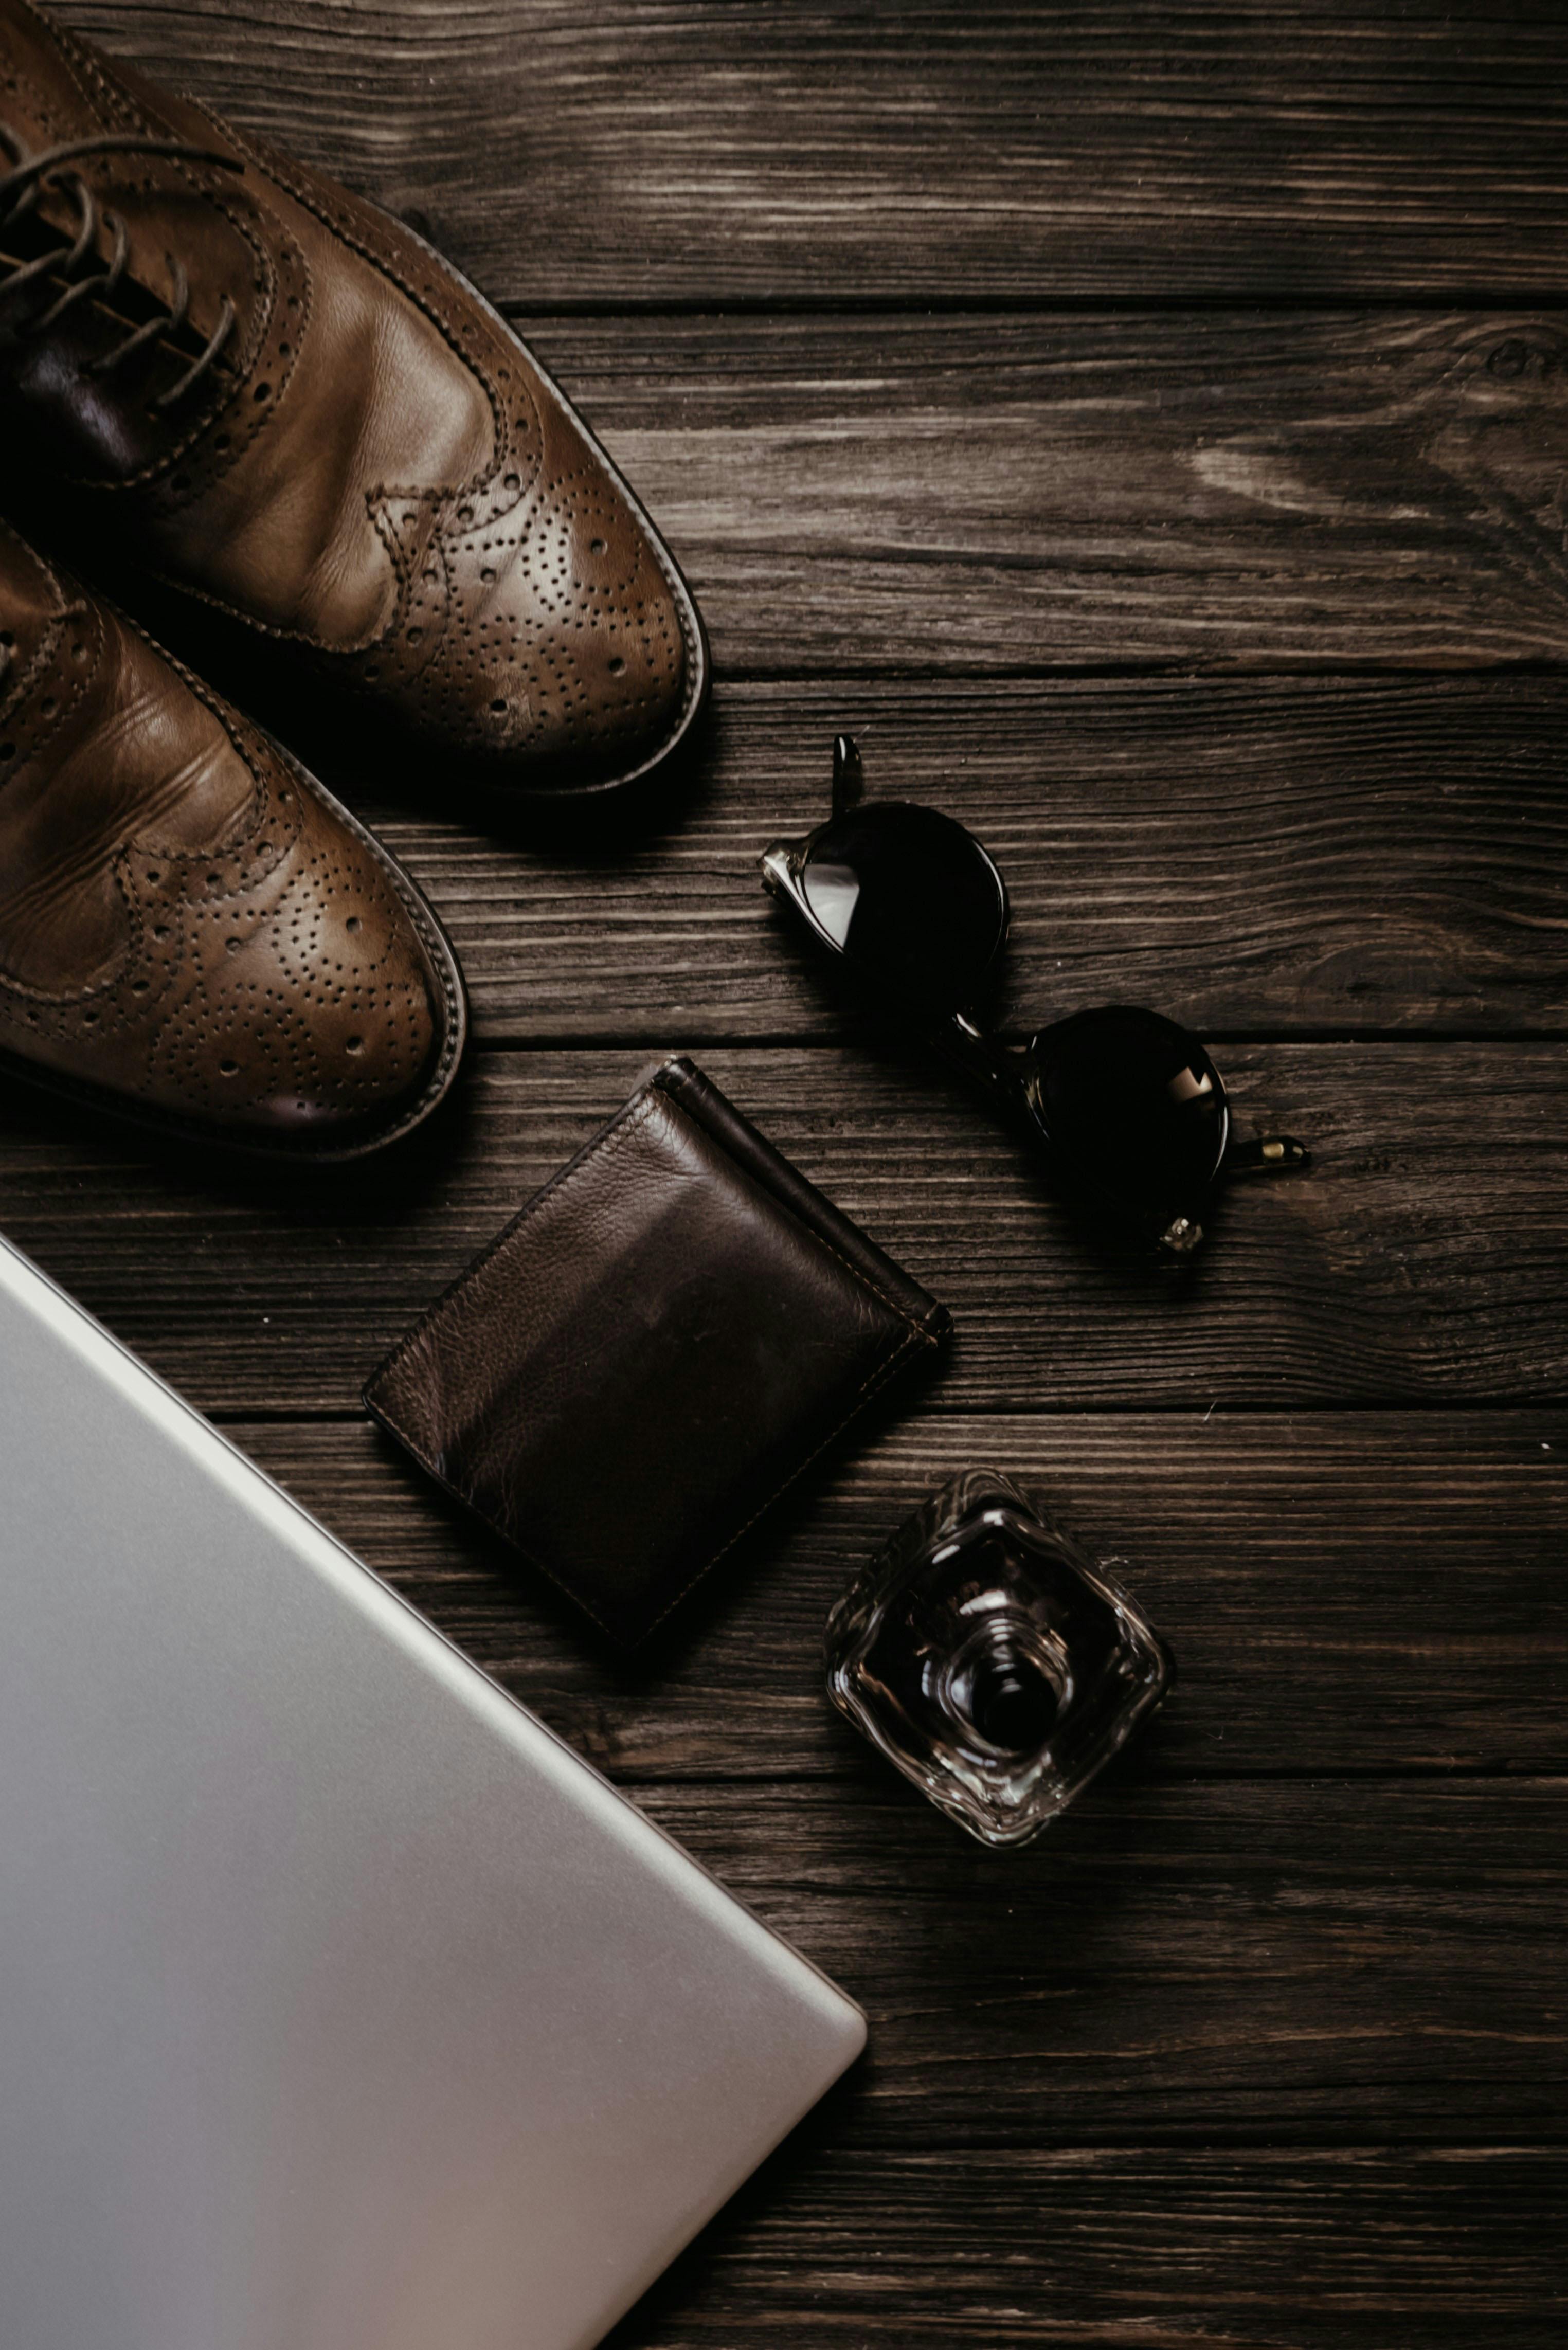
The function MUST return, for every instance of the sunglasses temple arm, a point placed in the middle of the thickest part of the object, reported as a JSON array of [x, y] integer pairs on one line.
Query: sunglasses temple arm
[[848, 775], [1266, 1154]]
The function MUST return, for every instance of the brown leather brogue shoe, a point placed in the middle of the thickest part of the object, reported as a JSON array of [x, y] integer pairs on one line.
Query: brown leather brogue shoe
[[190, 931], [286, 406]]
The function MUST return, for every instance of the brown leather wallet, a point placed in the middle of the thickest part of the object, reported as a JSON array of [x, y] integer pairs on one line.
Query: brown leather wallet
[[651, 1352]]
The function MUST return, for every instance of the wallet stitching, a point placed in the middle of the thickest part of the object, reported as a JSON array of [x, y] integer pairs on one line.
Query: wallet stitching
[[908, 1320], [911, 1320], [625, 1119], [466, 1502], [913, 1336]]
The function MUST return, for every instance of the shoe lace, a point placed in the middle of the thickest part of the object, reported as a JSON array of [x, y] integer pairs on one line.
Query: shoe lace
[[64, 256]]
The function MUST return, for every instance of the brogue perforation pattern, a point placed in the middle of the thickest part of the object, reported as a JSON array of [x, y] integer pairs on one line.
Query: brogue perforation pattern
[[267, 971]]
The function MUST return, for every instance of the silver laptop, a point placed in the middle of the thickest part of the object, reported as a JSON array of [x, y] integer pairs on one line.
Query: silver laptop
[[341, 2006]]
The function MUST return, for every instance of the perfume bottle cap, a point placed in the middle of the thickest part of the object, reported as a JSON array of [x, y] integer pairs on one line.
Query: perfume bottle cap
[[1010, 1702]]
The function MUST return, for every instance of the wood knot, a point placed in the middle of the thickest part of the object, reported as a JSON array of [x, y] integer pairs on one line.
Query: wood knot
[[1514, 358]]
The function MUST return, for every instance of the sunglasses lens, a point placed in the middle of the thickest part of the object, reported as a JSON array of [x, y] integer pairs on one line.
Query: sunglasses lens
[[1133, 1108], [912, 901]]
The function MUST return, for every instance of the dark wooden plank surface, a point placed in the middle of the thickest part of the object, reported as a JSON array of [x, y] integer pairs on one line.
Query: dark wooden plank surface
[[1422, 1258], [1346, 1591], [1260, 855], [705, 152], [994, 491], [1146, 427], [1165, 2251]]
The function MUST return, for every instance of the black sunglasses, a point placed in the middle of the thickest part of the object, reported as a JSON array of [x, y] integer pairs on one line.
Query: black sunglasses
[[1126, 1107]]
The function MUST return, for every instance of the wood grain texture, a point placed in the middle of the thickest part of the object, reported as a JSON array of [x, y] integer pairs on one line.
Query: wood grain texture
[[1166, 2249], [1260, 855], [1346, 1594], [1421, 1259], [693, 151], [991, 491]]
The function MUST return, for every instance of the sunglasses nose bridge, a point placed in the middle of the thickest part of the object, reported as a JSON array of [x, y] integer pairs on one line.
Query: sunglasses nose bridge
[[1003, 1070]]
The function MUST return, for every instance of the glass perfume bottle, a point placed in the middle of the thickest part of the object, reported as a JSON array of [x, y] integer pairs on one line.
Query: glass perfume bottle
[[994, 1662]]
